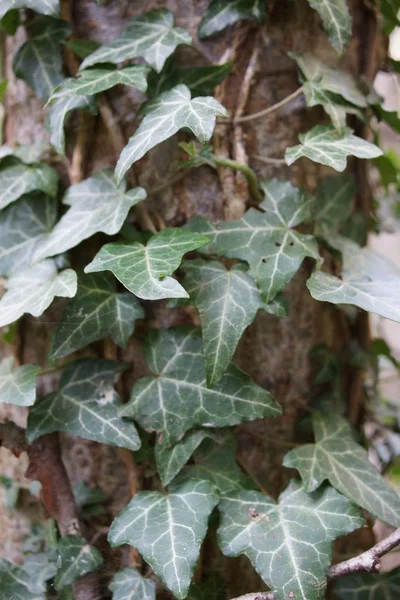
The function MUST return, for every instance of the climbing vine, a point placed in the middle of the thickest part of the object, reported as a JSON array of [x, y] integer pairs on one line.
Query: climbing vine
[[182, 415]]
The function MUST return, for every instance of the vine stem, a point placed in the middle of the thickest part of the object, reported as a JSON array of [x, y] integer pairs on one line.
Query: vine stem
[[269, 109], [249, 173], [368, 561]]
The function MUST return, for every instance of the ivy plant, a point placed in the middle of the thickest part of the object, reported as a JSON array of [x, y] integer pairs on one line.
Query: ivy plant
[[150, 308]]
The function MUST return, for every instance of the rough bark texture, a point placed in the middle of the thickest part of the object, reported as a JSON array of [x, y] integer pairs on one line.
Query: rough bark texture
[[275, 352]]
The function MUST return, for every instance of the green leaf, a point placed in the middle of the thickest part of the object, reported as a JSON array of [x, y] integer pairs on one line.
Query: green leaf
[[391, 118], [369, 586], [96, 205], [336, 19], [9, 23], [86, 405], [82, 48], [168, 530], [17, 386], [151, 36], [222, 13], [266, 240], [15, 583], [20, 179], [38, 61], [23, 226], [388, 171], [212, 588], [77, 558], [228, 301], [368, 280], [333, 201], [336, 456], [94, 81], [26, 153], [215, 462], [176, 398], [40, 568], [96, 312], [145, 270], [172, 111], [289, 543], [325, 145], [32, 290], [87, 496], [129, 584], [45, 7], [202, 80], [171, 459], [58, 113]]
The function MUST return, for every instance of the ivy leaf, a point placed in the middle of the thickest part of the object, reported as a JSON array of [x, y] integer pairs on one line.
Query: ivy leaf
[[215, 462], [171, 459], [325, 145], [32, 290], [77, 558], [289, 543], [177, 399], [369, 586], [332, 203], [19, 179], [45, 7], [336, 456], [15, 583], [145, 270], [222, 13], [96, 312], [151, 36], [94, 81], [368, 280], [172, 111], [336, 20], [96, 205], [228, 301], [23, 226], [86, 496], [17, 386], [202, 80], [58, 113], [86, 406], [266, 240], [38, 61], [40, 569], [82, 48], [168, 530], [391, 118], [129, 584]]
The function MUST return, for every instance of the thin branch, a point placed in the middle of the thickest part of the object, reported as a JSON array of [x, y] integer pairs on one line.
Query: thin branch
[[270, 109], [250, 175], [270, 161], [368, 562]]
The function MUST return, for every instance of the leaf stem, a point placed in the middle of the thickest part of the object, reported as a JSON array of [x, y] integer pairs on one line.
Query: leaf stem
[[249, 173], [269, 109]]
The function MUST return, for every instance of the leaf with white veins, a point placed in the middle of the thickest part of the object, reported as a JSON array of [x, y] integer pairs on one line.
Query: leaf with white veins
[[96, 205], [19, 179], [228, 301], [368, 280], [289, 543], [96, 312], [94, 81], [337, 457], [15, 583], [266, 240], [77, 558], [58, 113], [222, 13], [145, 270], [336, 19], [325, 145], [45, 7], [369, 586], [172, 111], [38, 61], [129, 584], [171, 459], [177, 399], [168, 530], [17, 386], [23, 226], [151, 36], [32, 290], [333, 201], [86, 405]]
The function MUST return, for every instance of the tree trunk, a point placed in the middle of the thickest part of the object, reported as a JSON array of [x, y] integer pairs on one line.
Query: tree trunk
[[273, 351]]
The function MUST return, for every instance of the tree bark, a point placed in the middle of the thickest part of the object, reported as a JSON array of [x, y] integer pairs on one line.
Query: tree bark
[[275, 352]]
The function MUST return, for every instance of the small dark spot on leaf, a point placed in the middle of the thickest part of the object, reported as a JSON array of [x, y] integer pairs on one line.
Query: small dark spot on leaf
[[278, 244], [253, 514], [291, 243]]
